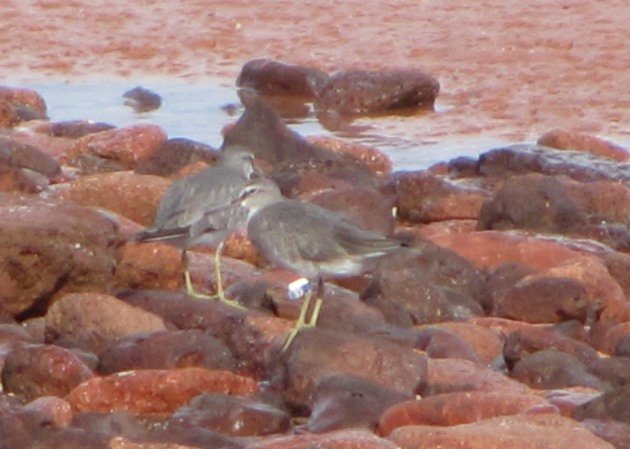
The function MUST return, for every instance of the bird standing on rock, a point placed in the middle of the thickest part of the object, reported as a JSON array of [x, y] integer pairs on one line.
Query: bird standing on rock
[[310, 240], [202, 208]]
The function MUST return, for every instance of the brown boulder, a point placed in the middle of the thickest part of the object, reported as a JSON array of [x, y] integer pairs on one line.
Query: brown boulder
[[50, 247], [569, 140], [27, 104], [173, 155], [612, 405]]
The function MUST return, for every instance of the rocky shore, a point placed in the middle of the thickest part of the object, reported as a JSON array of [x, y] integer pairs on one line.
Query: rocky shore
[[508, 327]]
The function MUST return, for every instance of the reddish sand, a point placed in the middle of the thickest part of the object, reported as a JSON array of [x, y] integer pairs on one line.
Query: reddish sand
[[509, 68]]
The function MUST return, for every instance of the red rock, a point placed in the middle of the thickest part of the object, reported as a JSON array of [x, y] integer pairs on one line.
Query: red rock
[[341, 439], [32, 371], [128, 194], [23, 155], [378, 162], [271, 77], [450, 409], [570, 140], [316, 354], [8, 115], [51, 409], [126, 146], [516, 432], [22, 98], [568, 399], [125, 443], [424, 197], [616, 433], [71, 129], [607, 335], [441, 343], [450, 375], [154, 391], [52, 247], [612, 405], [13, 179], [232, 415], [53, 146], [175, 155], [93, 320], [490, 249]]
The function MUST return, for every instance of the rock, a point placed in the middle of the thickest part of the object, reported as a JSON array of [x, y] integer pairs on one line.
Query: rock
[[543, 299], [443, 344], [340, 439], [154, 391], [450, 409], [426, 285], [490, 249], [613, 370], [32, 370], [27, 104], [379, 163], [355, 93], [616, 433], [175, 154], [612, 405], [9, 117], [569, 140], [166, 350], [142, 100], [528, 158], [74, 129], [597, 210], [543, 431], [93, 320], [276, 78], [131, 195], [124, 443], [451, 375], [13, 179], [25, 156], [364, 206], [232, 415], [550, 368], [309, 360], [122, 147], [424, 197], [345, 401], [51, 247], [568, 399], [50, 410]]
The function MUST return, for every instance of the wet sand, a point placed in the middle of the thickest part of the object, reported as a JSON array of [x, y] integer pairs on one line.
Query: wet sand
[[510, 69]]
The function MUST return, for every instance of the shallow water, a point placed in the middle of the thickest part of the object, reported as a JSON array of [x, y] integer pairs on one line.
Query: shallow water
[[199, 111]]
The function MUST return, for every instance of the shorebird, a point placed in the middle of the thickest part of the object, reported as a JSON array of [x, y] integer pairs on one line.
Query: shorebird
[[309, 240], [203, 208]]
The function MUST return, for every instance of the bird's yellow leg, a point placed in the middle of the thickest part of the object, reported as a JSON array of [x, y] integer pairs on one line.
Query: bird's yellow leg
[[300, 323]]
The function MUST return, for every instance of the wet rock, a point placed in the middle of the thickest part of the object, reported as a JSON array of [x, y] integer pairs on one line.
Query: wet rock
[[32, 371], [551, 204], [141, 99], [50, 247], [450, 409], [342, 401], [175, 154], [569, 140], [310, 359], [131, 195], [232, 415], [490, 249], [354, 93], [426, 286], [379, 163], [530, 339], [276, 78], [25, 156], [612, 405], [527, 158], [450, 375], [364, 206], [550, 368], [616, 433], [93, 320], [166, 350], [27, 104], [154, 391], [543, 300], [340, 439], [423, 197], [115, 149], [543, 431]]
